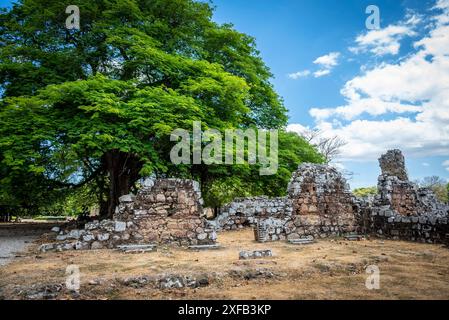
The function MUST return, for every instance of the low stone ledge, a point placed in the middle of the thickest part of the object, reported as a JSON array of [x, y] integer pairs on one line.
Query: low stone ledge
[[243, 255]]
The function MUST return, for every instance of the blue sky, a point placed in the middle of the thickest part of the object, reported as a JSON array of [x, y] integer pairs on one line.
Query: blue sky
[[376, 89], [292, 34]]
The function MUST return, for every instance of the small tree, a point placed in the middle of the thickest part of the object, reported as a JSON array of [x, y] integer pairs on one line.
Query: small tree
[[329, 147], [365, 192], [438, 185]]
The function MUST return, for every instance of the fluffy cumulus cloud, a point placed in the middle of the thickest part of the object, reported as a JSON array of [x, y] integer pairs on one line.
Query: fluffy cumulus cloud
[[407, 102], [326, 64], [387, 40]]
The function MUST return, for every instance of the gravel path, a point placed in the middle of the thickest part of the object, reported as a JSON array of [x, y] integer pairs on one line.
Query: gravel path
[[11, 245], [16, 237]]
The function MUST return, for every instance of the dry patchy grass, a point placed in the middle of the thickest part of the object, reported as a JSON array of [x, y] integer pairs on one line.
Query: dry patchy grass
[[328, 269]]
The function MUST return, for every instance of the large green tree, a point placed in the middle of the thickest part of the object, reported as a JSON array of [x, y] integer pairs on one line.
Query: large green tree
[[95, 106]]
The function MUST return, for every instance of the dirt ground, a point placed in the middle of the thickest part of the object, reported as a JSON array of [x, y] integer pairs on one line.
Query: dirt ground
[[327, 269]]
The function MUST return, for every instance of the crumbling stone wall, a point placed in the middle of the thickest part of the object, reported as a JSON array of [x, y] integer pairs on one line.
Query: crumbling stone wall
[[402, 210], [387, 223], [406, 198], [322, 206], [163, 211], [318, 204], [321, 192], [170, 211], [392, 164], [244, 212]]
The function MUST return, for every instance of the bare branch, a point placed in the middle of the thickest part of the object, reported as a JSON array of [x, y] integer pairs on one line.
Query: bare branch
[[329, 147]]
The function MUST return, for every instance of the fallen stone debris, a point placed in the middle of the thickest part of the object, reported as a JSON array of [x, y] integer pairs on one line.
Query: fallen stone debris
[[205, 247], [169, 281], [255, 254], [137, 248], [301, 241]]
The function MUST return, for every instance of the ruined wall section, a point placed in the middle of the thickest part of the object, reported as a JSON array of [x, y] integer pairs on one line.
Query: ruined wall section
[[164, 211], [322, 206], [392, 164], [319, 204], [246, 212], [170, 211], [402, 210]]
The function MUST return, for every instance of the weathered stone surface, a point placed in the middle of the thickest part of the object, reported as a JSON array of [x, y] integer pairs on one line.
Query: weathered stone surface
[[120, 226], [55, 229], [179, 281], [255, 254], [96, 245], [204, 247], [127, 198], [402, 210], [165, 211], [137, 248], [392, 164], [244, 212]]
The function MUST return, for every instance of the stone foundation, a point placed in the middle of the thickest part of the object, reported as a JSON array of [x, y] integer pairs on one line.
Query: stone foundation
[[387, 223]]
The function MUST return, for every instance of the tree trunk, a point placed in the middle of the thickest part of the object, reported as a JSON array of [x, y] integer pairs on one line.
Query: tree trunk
[[123, 171]]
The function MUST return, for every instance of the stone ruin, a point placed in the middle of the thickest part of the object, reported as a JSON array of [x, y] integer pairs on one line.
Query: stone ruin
[[401, 209], [401, 195], [322, 201], [163, 211], [392, 164], [318, 204], [247, 212]]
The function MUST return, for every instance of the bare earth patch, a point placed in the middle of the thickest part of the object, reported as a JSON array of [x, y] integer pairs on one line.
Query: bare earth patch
[[328, 269]]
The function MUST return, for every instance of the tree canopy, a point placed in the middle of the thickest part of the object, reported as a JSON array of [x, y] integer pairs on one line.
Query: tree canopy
[[93, 108]]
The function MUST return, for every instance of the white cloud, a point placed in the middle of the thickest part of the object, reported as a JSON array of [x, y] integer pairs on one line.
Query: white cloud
[[425, 164], [387, 40], [326, 63], [298, 128], [443, 6], [419, 83], [299, 74], [371, 106], [321, 73]]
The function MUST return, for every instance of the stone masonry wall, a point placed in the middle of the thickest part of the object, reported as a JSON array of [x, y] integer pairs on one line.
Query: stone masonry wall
[[163, 211], [392, 164], [244, 212], [387, 223], [322, 206], [318, 204], [402, 210]]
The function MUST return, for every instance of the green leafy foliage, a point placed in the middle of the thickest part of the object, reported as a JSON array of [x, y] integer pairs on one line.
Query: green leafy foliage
[[365, 192], [93, 108]]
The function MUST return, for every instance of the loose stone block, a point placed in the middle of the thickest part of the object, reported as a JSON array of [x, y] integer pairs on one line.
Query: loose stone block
[[255, 254]]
